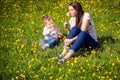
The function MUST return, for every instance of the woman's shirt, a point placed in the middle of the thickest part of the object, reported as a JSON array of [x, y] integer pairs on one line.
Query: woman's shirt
[[91, 28], [55, 33]]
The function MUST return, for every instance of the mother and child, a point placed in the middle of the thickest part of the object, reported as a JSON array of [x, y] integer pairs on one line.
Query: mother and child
[[81, 33]]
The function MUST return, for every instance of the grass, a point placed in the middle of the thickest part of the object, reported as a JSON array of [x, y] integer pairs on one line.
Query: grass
[[21, 56]]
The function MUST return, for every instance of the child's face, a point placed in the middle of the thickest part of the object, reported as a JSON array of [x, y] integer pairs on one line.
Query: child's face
[[50, 23]]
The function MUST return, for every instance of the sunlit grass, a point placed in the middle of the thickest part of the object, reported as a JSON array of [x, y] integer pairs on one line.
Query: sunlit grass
[[21, 56]]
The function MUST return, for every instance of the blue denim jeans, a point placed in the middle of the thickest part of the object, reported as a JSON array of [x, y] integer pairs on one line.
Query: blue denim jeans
[[51, 42], [83, 39]]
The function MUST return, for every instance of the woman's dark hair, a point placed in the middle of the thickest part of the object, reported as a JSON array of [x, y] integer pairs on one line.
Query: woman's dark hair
[[77, 6]]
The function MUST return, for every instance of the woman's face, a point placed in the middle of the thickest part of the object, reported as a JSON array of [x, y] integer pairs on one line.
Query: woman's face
[[72, 11]]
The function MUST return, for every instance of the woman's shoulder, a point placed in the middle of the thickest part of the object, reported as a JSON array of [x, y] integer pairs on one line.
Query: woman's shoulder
[[86, 14]]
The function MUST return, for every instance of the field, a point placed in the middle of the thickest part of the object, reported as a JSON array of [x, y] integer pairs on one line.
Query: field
[[21, 56]]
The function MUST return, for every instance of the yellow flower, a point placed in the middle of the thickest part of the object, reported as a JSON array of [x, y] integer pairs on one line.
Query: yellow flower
[[93, 51], [22, 46], [16, 77], [51, 77], [113, 64], [29, 66], [32, 22], [83, 70], [12, 79], [60, 69], [22, 75], [93, 74], [35, 76]]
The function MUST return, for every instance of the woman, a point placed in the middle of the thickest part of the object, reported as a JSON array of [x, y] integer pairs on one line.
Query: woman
[[83, 33]]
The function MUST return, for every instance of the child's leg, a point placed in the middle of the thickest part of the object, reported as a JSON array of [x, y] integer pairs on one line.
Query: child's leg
[[52, 42], [43, 42]]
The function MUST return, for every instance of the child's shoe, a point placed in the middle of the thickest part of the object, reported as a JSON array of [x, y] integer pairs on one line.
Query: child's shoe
[[45, 46]]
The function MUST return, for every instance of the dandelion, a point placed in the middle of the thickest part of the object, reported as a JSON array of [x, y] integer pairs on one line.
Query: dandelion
[[115, 76], [78, 71], [83, 70], [33, 59], [16, 77], [107, 76], [35, 76], [12, 79], [110, 79], [110, 72], [22, 46], [86, 60], [102, 77], [51, 77], [22, 75], [113, 64], [60, 69], [66, 75], [32, 22], [93, 74], [29, 66], [93, 51]]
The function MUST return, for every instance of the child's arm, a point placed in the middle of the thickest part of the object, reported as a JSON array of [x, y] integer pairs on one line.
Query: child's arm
[[46, 32], [59, 33]]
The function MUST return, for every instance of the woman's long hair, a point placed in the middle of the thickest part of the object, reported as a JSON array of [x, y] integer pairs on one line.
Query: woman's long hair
[[77, 6]]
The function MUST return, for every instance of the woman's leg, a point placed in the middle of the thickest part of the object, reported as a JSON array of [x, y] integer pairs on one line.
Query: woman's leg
[[73, 32], [83, 38]]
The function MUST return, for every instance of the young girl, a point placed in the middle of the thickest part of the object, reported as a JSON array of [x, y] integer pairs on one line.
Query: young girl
[[83, 33], [50, 32]]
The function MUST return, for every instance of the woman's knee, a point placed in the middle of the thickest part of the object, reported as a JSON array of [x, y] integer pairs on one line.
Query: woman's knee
[[73, 32], [75, 29]]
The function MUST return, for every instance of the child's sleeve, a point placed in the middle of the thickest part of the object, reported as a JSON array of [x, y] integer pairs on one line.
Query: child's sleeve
[[59, 33], [45, 31]]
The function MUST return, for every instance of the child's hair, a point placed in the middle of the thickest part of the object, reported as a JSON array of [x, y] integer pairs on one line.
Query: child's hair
[[46, 17]]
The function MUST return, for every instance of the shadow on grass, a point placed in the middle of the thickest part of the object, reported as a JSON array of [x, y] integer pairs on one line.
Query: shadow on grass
[[101, 42]]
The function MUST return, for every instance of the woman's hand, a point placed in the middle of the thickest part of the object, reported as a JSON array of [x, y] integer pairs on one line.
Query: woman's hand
[[68, 41], [66, 25]]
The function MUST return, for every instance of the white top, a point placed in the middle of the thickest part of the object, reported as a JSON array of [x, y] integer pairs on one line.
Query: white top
[[72, 22], [91, 28], [55, 33]]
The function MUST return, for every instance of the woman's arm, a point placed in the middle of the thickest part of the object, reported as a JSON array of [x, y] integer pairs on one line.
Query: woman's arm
[[69, 41], [67, 26], [85, 25]]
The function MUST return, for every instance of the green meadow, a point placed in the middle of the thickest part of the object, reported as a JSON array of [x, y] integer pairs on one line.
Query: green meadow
[[21, 56]]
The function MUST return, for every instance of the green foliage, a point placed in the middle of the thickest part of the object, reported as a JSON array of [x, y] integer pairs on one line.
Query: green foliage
[[21, 56]]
